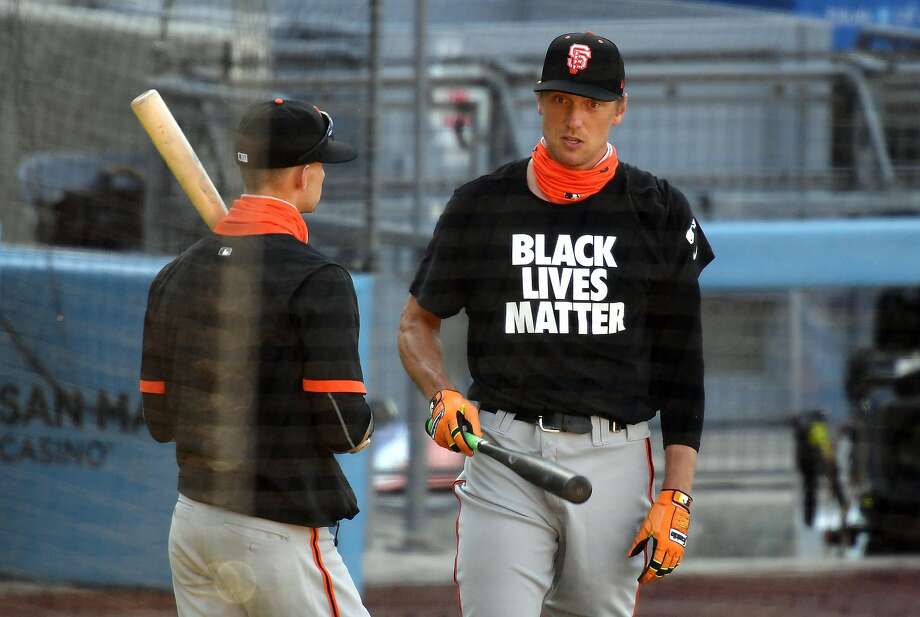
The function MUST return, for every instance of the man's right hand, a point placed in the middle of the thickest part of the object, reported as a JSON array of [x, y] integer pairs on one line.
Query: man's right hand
[[451, 415]]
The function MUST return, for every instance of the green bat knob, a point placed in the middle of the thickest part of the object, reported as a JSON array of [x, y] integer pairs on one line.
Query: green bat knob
[[472, 441]]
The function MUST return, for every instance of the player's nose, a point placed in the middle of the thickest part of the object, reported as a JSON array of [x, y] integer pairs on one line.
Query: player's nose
[[574, 119]]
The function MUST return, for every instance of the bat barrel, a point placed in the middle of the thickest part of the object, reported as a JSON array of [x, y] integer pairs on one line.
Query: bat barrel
[[180, 157], [577, 489], [548, 475], [139, 99]]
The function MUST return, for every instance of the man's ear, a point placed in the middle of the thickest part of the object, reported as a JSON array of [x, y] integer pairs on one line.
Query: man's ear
[[622, 106], [302, 176], [539, 96]]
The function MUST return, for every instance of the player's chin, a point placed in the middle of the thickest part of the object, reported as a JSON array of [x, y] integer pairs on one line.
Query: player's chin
[[573, 155]]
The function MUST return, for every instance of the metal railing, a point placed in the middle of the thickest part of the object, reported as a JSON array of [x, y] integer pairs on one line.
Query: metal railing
[[789, 104]]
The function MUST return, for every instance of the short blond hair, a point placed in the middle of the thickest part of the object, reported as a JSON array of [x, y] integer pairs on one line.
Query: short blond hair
[[255, 180]]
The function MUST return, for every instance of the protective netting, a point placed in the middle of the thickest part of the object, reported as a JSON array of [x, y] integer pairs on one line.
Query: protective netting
[[754, 115]]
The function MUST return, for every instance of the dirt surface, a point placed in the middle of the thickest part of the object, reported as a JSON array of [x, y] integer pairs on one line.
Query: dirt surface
[[878, 593]]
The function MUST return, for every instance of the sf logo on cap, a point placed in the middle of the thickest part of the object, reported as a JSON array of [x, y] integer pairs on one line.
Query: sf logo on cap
[[579, 55]]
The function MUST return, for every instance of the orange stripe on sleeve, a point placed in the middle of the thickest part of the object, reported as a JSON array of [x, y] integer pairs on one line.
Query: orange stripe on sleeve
[[334, 385], [153, 387]]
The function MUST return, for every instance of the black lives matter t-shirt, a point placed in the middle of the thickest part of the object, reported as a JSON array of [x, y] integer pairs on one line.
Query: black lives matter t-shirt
[[590, 308]]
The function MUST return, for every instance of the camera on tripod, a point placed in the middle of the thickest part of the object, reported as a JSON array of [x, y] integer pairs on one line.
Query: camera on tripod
[[883, 388]]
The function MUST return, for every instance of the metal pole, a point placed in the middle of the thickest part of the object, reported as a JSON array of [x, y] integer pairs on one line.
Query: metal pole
[[802, 93], [250, 47], [375, 83], [796, 313], [421, 109], [873, 126], [372, 190], [12, 72], [417, 470]]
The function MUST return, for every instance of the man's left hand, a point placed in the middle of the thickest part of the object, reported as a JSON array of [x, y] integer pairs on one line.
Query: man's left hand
[[665, 531]]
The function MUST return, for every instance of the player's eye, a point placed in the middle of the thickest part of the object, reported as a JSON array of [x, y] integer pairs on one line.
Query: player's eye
[[558, 99]]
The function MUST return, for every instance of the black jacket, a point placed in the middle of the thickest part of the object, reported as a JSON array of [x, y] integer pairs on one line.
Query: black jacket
[[250, 364]]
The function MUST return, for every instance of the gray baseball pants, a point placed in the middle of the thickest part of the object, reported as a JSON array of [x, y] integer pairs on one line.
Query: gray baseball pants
[[522, 551], [232, 565]]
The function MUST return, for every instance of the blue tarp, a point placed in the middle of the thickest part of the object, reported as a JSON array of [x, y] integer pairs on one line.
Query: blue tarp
[[847, 16], [87, 495], [765, 255]]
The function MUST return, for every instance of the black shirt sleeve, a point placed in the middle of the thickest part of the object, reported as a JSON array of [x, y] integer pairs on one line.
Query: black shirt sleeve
[[442, 281], [325, 309], [160, 419], [675, 326]]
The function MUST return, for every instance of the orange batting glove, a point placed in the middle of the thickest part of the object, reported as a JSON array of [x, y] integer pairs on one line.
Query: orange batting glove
[[666, 526], [451, 414]]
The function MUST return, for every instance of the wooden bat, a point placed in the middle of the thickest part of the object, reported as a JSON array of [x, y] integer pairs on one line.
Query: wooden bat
[[179, 156], [551, 477]]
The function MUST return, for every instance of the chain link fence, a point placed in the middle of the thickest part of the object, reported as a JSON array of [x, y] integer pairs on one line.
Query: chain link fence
[[752, 114]]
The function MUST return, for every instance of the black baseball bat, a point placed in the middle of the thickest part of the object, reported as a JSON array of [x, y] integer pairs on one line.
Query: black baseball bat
[[551, 477]]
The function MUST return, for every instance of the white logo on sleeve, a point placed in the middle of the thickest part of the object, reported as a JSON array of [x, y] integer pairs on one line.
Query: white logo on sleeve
[[691, 237], [225, 251], [691, 233]]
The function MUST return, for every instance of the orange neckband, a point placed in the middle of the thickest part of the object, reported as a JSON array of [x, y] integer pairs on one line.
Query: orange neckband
[[564, 185]]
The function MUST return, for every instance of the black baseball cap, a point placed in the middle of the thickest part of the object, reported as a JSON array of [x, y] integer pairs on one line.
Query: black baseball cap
[[585, 64], [285, 133]]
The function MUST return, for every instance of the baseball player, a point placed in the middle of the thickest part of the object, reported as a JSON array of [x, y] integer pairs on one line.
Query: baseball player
[[579, 275], [250, 364]]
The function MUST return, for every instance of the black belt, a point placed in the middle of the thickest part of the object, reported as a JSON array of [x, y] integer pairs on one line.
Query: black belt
[[555, 422]]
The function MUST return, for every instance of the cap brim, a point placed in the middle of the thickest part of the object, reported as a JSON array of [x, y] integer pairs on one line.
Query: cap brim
[[573, 87], [337, 152]]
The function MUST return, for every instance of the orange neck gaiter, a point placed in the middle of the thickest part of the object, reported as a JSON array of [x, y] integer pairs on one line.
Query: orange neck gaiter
[[564, 185], [253, 215]]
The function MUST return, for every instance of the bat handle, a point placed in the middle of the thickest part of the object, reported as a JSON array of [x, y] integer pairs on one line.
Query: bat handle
[[472, 440]]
